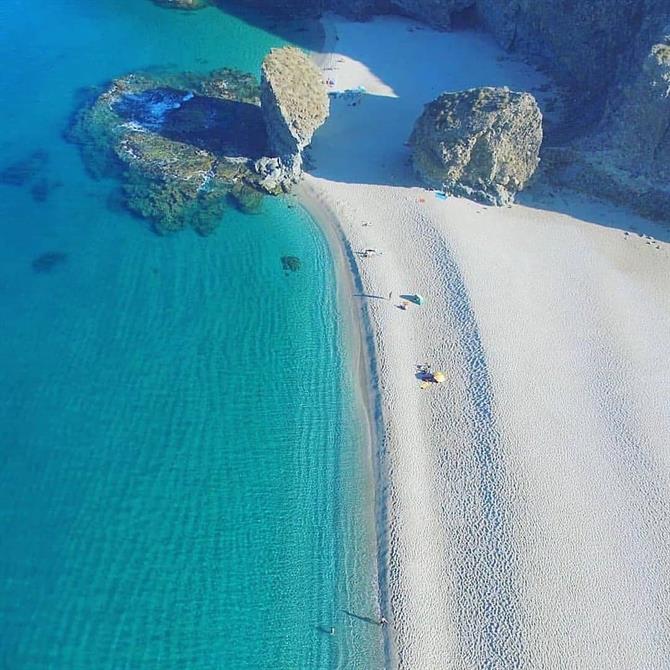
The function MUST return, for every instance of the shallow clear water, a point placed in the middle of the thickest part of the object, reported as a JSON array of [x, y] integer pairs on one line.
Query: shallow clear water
[[183, 477]]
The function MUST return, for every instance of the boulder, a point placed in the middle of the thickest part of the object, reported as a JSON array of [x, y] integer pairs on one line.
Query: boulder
[[482, 143], [294, 103]]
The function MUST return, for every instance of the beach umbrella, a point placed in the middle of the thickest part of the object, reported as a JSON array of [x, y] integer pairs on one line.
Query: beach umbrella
[[440, 377]]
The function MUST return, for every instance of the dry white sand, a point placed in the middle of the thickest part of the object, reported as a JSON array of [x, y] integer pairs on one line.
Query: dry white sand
[[526, 501]]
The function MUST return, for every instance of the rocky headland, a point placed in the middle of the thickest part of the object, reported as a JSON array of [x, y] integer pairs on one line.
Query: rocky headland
[[184, 145], [482, 143]]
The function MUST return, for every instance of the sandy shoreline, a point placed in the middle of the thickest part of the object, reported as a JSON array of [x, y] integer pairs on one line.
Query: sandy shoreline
[[524, 505], [360, 335]]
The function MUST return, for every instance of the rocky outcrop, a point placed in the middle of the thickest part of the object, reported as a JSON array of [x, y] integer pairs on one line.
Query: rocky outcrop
[[183, 4], [184, 144], [294, 103], [181, 145], [482, 143]]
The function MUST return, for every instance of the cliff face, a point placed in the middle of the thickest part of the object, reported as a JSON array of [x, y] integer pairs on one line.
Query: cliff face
[[294, 103], [581, 44]]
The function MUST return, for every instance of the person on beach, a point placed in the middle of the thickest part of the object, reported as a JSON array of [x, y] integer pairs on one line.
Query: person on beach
[[390, 296], [383, 621]]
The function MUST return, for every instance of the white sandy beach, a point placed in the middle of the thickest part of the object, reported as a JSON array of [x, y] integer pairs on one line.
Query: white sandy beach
[[525, 503]]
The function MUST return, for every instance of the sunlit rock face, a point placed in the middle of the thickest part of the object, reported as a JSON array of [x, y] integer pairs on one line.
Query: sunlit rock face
[[294, 103], [482, 143]]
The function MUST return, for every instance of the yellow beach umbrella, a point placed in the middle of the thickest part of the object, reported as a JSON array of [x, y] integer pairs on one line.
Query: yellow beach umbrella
[[440, 377]]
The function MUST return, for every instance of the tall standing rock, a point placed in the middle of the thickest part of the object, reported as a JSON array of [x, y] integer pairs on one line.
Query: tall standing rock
[[294, 103], [482, 143]]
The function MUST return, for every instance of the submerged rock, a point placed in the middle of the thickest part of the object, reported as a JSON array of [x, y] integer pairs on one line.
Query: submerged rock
[[482, 143], [24, 170], [183, 4], [42, 188], [290, 263], [48, 261], [294, 103], [246, 199]]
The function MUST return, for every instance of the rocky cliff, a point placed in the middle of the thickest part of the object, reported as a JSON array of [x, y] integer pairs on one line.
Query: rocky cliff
[[294, 103]]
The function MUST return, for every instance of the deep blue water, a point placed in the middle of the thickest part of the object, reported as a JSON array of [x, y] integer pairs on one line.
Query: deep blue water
[[183, 476]]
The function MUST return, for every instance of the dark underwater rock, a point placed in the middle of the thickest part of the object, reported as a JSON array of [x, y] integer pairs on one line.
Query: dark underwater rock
[[23, 171], [45, 263], [290, 263], [245, 198], [183, 4], [42, 189]]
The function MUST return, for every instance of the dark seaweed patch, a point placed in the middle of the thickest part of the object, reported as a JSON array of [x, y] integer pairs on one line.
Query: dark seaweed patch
[[42, 188], [290, 263], [20, 172], [47, 262]]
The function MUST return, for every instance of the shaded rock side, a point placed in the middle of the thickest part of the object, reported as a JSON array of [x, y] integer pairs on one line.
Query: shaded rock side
[[626, 161], [294, 103], [641, 124], [482, 143]]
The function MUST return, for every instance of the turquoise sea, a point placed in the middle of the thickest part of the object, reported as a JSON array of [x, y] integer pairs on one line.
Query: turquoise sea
[[184, 476]]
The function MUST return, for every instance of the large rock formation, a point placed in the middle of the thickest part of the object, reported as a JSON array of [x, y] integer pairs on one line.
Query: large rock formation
[[294, 103], [182, 145], [482, 143]]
